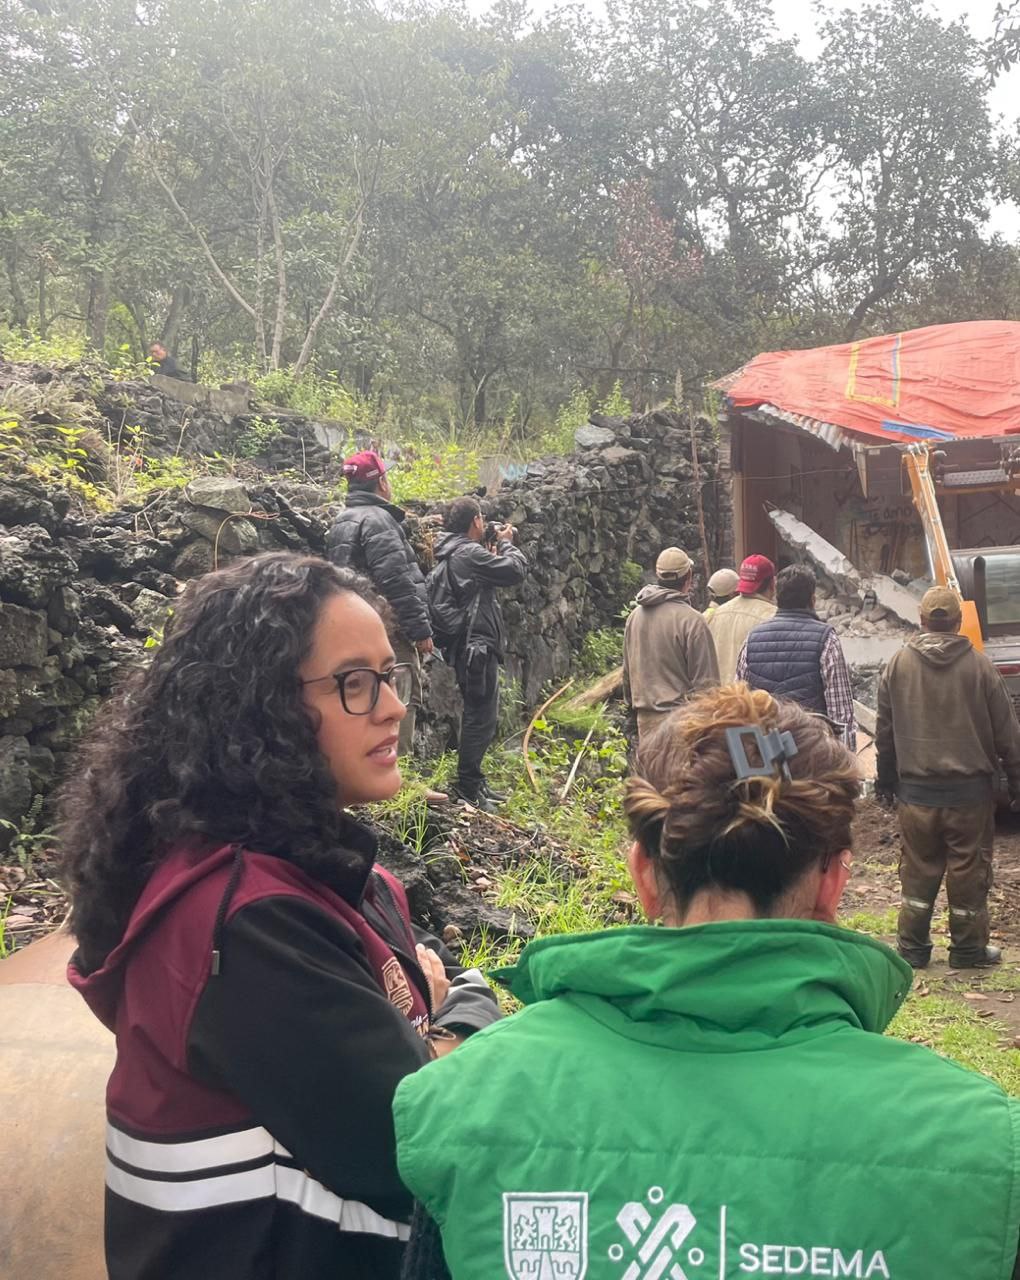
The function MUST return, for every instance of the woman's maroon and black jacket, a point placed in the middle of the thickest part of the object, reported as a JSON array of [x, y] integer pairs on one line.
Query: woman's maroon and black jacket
[[263, 1022]]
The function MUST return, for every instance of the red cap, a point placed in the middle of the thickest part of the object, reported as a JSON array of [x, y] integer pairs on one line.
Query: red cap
[[755, 572], [364, 466]]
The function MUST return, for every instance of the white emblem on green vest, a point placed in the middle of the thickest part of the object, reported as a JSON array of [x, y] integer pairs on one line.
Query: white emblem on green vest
[[656, 1240], [545, 1235]]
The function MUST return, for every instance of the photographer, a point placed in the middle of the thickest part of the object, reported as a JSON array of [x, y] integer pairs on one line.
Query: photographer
[[478, 567]]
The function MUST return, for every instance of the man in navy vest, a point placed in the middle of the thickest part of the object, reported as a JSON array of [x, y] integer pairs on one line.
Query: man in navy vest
[[795, 655]]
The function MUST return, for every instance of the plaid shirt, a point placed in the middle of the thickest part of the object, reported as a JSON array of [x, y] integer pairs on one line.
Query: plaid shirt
[[839, 694]]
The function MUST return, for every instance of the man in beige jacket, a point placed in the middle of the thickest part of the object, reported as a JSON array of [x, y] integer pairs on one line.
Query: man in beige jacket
[[667, 650], [945, 725], [733, 622]]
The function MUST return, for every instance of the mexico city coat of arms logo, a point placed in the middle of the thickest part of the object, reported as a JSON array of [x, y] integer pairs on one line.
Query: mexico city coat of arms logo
[[545, 1235]]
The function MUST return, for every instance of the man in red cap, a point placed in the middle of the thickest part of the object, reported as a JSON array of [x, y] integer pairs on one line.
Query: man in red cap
[[733, 622], [369, 537]]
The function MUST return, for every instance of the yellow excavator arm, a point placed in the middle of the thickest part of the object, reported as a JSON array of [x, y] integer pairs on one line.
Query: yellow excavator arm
[[917, 459]]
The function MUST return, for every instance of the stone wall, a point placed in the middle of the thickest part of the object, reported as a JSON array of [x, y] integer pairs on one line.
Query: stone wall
[[585, 522], [164, 416], [80, 596]]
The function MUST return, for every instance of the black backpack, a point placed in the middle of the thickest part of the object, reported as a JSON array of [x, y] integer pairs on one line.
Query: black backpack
[[451, 614]]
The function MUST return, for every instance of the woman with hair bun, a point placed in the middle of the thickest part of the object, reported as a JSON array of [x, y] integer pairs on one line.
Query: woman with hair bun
[[711, 1095], [261, 974]]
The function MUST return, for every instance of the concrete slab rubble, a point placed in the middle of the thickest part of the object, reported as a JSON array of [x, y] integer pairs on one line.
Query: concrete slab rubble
[[867, 588]]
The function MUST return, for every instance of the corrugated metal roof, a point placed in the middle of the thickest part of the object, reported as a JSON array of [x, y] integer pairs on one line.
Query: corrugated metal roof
[[835, 437]]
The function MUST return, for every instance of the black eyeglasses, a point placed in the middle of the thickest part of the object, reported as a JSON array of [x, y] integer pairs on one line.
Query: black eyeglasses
[[359, 687]]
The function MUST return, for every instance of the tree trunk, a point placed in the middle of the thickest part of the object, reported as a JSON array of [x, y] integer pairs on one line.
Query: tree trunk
[[168, 334], [138, 316], [19, 304], [479, 407], [330, 299], [281, 281], [96, 308], [203, 244], [101, 227], [44, 323]]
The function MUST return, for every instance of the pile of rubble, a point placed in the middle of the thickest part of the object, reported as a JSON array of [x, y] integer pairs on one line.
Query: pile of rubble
[[857, 619]]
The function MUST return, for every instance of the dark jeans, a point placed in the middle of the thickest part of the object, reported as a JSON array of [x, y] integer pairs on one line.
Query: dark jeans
[[478, 677], [955, 843]]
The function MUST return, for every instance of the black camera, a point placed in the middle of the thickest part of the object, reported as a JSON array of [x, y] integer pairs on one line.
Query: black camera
[[491, 532]]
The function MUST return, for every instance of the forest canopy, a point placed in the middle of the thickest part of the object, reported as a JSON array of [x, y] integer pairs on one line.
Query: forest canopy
[[466, 217]]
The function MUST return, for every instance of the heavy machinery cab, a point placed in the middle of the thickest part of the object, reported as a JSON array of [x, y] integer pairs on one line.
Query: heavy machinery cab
[[987, 579], [990, 576]]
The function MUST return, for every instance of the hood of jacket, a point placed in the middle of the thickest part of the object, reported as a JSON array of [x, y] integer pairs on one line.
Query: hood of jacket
[[653, 595], [735, 985], [362, 499], [175, 876], [447, 543], [939, 648]]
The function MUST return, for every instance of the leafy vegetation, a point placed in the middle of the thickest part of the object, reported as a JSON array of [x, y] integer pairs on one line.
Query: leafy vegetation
[[27, 837], [670, 184], [258, 434], [428, 473]]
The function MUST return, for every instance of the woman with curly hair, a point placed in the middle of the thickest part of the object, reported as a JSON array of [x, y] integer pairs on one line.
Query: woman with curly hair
[[261, 974], [713, 1096]]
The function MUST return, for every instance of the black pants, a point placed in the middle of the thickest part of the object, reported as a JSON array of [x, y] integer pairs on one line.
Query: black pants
[[478, 677]]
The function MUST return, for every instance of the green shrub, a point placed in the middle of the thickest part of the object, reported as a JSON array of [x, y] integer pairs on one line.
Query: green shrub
[[321, 396], [258, 435], [56, 350], [601, 651], [429, 473]]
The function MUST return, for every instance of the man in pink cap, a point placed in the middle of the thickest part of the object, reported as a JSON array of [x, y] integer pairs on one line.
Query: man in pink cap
[[733, 622], [369, 537]]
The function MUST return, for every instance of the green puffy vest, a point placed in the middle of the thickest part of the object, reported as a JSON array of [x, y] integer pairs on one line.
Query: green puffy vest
[[711, 1103]]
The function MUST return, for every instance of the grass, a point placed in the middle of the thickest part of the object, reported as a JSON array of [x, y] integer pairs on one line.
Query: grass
[[951, 1028], [880, 924]]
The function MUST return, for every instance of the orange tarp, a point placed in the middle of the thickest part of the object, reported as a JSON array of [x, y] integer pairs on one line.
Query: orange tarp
[[946, 382]]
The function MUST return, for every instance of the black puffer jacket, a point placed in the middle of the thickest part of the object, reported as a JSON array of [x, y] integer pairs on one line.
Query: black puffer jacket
[[478, 570], [368, 536]]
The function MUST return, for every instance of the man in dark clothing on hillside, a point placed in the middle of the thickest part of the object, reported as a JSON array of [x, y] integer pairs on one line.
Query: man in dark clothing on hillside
[[478, 571], [796, 655], [165, 363], [369, 536], [668, 652], [945, 722]]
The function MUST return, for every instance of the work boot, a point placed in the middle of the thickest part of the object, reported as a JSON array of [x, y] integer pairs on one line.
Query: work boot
[[436, 799], [987, 959], [500, 797]]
